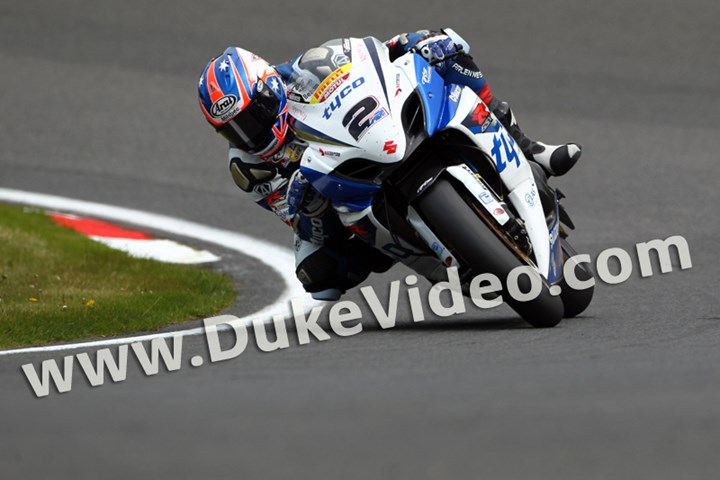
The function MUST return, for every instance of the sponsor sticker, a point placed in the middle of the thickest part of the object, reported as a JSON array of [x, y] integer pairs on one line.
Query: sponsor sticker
[[336, 103], [331, 83], [328, 153], [485, 197], [455, 93], [224, 105], [426, 75], [376, 117], [531, 198], [390, 147], [480, 116], [467, 72]]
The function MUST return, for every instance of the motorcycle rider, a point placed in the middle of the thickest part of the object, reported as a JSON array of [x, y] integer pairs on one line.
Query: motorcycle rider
[[245, 99]]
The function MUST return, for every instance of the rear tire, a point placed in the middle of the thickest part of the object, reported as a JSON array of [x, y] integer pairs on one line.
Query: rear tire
[[476, 246]]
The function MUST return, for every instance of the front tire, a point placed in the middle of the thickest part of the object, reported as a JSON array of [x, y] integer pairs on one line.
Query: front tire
[[479, 248], [575, 301]]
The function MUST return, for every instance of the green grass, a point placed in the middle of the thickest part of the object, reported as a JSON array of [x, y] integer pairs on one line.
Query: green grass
[[57, 285]]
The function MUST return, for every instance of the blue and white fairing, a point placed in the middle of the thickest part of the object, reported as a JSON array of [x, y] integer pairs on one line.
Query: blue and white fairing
[[351, 113], [347, 100]]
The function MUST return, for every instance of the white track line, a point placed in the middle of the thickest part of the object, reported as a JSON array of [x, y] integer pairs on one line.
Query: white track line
[[279, 259]]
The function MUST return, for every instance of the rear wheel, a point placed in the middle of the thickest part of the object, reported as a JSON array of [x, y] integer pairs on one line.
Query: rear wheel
[[479, 248]]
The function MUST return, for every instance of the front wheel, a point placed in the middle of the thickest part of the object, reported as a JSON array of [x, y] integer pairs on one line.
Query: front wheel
[[575, 301], [478, 248]]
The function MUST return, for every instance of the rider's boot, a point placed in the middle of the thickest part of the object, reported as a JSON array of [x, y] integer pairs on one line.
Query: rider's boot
[[555, 159]]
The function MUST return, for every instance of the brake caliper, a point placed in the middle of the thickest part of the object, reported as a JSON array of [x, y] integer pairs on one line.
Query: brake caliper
[[515, 228]]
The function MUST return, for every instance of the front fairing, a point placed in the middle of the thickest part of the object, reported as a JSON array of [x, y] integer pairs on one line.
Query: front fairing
[[352, 111]]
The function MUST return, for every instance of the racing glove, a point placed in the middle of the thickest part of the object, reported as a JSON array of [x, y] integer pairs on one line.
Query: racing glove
[[437, 49], [302, 197]]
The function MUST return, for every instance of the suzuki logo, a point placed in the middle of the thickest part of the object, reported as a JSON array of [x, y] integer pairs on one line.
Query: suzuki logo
[[480, 113], [390, 147]]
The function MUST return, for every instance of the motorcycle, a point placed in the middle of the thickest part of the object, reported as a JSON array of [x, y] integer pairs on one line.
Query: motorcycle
[[424, 172]]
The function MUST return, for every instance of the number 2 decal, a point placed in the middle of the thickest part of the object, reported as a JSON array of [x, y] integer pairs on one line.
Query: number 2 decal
[[362, 116]]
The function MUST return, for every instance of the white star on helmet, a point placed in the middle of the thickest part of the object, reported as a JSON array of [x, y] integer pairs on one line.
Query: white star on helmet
[[224, 65], [274, 84]]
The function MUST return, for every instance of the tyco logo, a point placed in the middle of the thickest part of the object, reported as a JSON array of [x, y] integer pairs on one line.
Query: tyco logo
[[337, 101]]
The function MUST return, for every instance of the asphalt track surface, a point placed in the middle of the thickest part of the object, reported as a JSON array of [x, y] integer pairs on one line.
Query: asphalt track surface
[[98, 103]]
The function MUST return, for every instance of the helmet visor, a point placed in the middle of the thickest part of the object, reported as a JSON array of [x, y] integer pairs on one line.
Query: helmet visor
[[251, 129]]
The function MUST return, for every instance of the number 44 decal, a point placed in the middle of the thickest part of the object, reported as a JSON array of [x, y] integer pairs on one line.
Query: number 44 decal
[[508, 145]]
